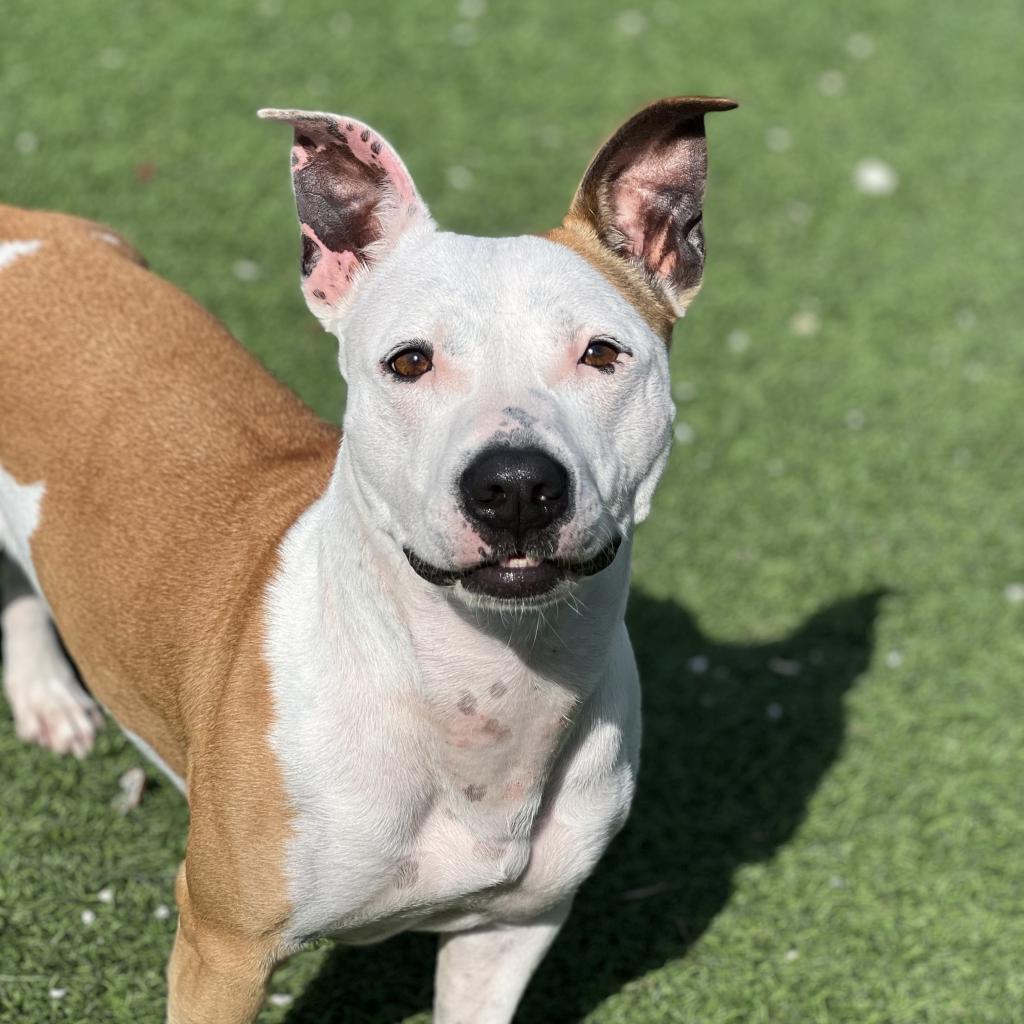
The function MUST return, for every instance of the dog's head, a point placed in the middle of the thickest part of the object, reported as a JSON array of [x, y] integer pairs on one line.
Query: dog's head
[[509, 410]]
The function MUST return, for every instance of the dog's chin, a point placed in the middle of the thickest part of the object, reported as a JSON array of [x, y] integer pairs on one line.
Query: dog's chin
[[515, 579]]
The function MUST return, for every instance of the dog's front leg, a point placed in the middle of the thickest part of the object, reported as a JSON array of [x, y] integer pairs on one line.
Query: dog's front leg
[[214, 977], [481, 974]]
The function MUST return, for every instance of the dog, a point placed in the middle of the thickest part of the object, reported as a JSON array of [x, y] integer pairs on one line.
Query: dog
[[390, 673]]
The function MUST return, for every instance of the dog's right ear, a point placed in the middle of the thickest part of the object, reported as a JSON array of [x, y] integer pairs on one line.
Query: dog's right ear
[[355, 199], [642, 198]]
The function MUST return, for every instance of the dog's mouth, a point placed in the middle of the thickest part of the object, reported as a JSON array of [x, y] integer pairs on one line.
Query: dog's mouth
[[517, 576]]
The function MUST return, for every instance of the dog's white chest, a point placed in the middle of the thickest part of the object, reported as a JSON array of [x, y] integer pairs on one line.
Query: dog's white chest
[[444, 829], [432, 791]]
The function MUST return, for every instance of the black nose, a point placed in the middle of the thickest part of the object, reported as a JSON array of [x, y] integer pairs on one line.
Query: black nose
[[515, 490]]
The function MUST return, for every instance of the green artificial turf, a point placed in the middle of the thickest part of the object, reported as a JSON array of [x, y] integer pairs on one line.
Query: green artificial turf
[[829, 826]]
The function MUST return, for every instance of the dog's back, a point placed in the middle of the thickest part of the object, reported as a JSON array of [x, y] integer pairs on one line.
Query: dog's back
[[123, 402]]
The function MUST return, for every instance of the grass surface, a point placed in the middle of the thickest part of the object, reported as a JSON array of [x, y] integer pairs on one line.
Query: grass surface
[[838, 845]]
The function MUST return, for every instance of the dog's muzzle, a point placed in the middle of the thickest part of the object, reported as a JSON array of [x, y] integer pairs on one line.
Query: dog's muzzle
[[516, 577]]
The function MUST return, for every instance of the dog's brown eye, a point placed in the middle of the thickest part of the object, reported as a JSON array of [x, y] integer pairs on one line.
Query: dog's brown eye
[[410, 363], [601, 353]]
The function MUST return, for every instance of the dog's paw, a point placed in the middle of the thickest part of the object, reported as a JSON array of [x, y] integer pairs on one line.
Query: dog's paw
[[51, 709]]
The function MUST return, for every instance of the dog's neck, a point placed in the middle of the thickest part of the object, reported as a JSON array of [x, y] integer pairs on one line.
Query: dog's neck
[[408, 631]]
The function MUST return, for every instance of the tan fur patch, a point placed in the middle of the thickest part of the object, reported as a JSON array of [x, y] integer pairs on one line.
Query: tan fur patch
[[578, 235], [173, 465]]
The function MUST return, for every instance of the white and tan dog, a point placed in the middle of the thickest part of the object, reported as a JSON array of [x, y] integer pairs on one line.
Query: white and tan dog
[[391, 676]]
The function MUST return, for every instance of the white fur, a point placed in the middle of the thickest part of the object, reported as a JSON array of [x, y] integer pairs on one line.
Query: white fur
[[10, 251], [20, 505], [508, 319], [49, 705], [369, 667], [456, 766]]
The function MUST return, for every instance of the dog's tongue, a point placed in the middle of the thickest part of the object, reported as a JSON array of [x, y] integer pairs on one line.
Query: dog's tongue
[[520, 562]]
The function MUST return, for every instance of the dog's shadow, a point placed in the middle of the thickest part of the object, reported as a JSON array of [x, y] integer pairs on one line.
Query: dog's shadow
[[736, 740]]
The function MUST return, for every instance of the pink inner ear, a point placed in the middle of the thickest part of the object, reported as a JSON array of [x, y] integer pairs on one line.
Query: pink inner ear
[[648, 237], [370, 149], [332, 274], [300, 158]]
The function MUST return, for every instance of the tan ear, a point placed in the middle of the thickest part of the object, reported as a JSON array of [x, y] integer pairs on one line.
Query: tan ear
[[354, 198], [643, 196]]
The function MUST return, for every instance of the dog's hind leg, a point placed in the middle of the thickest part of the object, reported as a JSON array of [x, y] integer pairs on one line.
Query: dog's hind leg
[[49, 705]]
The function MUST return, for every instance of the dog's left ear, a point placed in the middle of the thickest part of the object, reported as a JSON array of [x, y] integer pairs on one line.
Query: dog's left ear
[[644, 191], [355, 199]]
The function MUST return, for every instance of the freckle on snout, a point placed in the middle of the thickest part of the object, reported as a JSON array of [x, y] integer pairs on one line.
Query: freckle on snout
[[467, 704], [475, 793], [498, 690]]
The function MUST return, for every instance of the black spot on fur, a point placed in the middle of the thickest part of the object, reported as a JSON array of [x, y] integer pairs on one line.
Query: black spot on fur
[[310, 255], [475, 793]]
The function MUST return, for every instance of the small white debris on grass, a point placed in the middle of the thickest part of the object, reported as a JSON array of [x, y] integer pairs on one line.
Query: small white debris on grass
[[246, 270], [26, 142], [280, 999], [105, 895], [341, 23], [684, 391], [835, 882], [774, 712], [318, 83], [873, 177], [799, 212], [161, 912], [1014, 593], [785, 667], [88, 917], [472, 8], [460, 177], [631, 22], [58, 993], [132, 785], [684, 433], [791, 955], [738, 341], [112, 59], [855, 420], [860, 45], [552, 136], [805, 323], [465, 33], [778, 140], [966, 319], [893, 659], [832, 83], [699, 664]]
